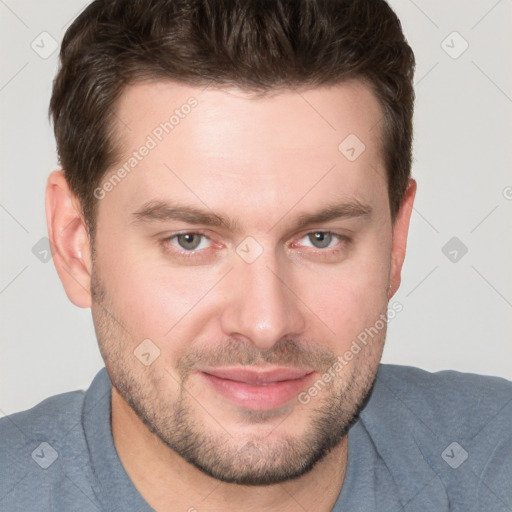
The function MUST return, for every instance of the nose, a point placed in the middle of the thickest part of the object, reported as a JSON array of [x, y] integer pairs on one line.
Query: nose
[[262, 307]]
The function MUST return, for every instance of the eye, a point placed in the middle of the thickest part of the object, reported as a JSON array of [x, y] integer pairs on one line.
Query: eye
[[323, 239], [189, 241]]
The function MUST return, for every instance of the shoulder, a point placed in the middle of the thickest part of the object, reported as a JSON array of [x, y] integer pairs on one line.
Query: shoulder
[[449, 399], [21, 432], [39, 449], [51, 413], [449, 431], [418, 377], [46, 421], [433, 386]]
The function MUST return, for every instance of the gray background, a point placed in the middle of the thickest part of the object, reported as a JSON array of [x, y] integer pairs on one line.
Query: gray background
[[456, 307]]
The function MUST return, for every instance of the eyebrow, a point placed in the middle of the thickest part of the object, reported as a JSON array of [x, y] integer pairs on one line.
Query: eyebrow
[[161, 211]]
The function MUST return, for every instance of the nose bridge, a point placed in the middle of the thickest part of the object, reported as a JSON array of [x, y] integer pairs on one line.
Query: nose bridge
[[260, 306]]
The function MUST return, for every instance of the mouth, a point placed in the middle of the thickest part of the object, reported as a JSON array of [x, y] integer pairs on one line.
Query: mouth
[[258, 389]]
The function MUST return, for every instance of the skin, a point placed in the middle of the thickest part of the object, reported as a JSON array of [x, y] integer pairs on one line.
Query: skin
[[264, 162]]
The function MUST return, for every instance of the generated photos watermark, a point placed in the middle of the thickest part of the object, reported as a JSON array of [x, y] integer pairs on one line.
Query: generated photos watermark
[[361, 341], [156, 136]]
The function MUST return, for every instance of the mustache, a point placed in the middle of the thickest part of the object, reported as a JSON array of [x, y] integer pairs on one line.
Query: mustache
[[288, 352]]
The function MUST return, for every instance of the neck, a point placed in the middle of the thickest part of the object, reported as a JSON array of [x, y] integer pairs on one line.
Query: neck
[[174, 484]]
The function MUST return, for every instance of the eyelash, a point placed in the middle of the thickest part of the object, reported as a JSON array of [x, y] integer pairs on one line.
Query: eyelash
[[195, 253]]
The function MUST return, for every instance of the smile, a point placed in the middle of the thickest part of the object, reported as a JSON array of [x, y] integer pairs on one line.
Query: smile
[[258, 389]]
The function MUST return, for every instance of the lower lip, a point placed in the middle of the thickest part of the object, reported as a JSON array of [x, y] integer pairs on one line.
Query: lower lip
[[258, 398]]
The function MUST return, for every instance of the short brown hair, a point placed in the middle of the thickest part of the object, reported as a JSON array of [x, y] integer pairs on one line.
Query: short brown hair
[[257, 45]]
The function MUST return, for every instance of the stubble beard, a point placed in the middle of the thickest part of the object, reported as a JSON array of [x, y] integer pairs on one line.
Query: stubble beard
[[260, 459]]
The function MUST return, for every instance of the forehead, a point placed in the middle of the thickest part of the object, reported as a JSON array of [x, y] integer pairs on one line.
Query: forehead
[[325, 112], [225, 147]]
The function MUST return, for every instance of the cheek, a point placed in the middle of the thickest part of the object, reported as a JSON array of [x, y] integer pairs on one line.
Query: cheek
[[156, 300], [351, 296]]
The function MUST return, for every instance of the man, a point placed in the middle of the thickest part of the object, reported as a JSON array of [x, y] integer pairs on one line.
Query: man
[[233, 206]]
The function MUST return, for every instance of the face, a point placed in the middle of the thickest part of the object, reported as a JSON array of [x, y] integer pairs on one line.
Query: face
[[237, 259]]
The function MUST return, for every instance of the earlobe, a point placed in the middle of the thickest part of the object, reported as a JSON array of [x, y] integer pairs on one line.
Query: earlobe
[[400, 231], [69, 239]]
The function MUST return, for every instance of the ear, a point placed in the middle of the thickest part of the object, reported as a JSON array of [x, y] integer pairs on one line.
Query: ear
[[69, 240], [400, 230]]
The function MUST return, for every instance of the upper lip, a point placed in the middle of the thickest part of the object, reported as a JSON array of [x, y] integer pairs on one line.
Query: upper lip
[[257, 376]]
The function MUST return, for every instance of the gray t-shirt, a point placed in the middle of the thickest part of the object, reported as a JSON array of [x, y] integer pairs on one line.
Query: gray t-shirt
[[424, 442]]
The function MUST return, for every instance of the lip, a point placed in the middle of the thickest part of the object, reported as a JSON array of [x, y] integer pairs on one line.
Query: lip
[[259, 389]]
